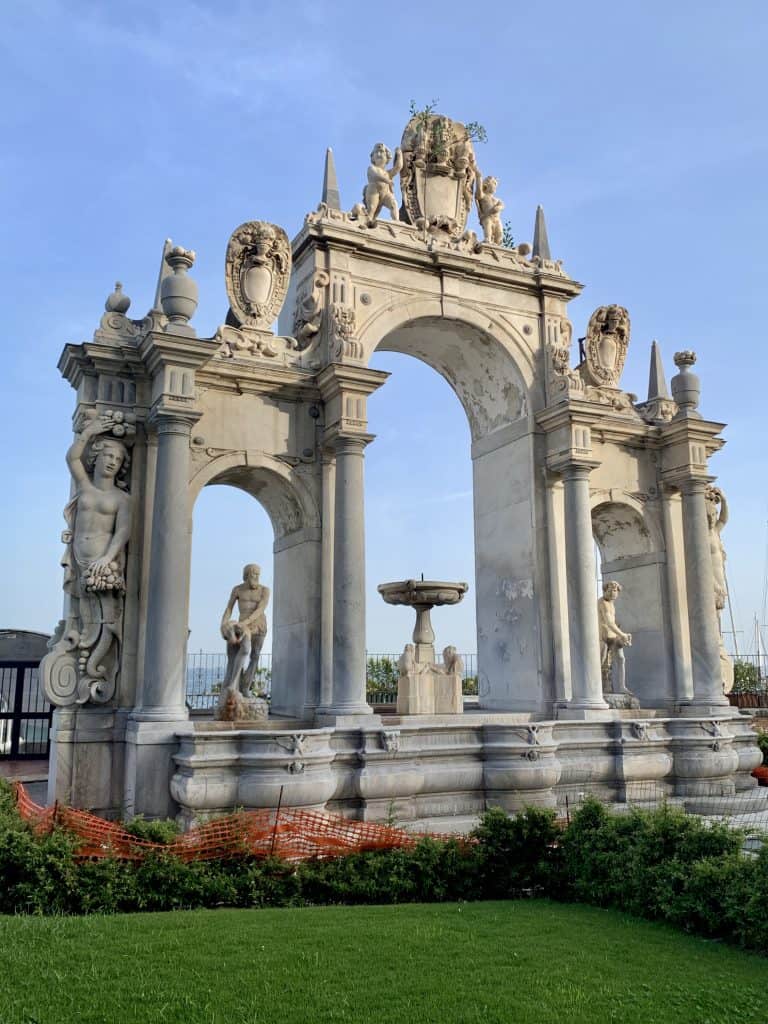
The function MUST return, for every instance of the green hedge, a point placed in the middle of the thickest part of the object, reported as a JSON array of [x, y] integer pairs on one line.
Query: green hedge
[[662, 865]]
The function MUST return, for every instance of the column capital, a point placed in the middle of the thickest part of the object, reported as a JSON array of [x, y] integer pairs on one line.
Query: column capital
[[572, 469], [164, 420], [350, 444], [686, 481]]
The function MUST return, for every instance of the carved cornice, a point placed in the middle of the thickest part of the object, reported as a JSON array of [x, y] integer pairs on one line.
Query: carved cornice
[[404, 245], [161, 349]]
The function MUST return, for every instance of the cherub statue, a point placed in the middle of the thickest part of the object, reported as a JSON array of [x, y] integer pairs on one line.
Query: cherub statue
[[613, 640], [379, 193], [245, 638], [489, 208]]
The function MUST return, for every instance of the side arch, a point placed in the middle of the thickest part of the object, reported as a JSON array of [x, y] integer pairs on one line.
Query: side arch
[[293, 512], [631, 542], [286, 498]]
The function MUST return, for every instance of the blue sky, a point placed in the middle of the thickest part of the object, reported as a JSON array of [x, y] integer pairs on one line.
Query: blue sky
[[641, 129]]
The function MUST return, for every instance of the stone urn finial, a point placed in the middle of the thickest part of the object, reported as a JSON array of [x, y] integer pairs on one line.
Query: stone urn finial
[[178, 292], [686, 386], [117, 301]]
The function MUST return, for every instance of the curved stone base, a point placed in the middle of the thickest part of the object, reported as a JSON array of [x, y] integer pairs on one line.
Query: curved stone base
[[441, 768]]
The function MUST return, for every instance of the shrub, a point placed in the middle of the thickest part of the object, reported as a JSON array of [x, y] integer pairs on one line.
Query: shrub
[[162, 830], [762, 742], [517, 854]]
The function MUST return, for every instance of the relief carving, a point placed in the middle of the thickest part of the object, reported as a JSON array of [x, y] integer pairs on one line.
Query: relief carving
[[84, 657], [257, 270], [308, 317], [606, 346]]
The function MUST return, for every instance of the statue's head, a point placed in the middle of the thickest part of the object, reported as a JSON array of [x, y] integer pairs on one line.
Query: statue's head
[[711, 503], [109, 458], [611, 590], [380, 155], [251, 573], [490, 184]]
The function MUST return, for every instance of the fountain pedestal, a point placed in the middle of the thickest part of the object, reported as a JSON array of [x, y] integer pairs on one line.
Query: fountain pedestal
[[425, 687]]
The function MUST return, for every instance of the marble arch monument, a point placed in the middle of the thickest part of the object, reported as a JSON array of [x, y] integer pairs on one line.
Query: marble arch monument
[[563, 458]]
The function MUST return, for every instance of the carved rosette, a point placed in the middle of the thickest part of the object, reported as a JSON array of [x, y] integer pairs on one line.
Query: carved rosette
[[438, 173], [257, 271], [606, 346]]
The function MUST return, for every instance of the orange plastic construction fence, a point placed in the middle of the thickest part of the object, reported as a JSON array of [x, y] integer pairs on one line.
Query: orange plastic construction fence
[[286, 833]]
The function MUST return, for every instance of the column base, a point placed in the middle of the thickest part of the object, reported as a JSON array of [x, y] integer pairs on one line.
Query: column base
[[151, 741], [347, 718], [706, 709], [585, 713]]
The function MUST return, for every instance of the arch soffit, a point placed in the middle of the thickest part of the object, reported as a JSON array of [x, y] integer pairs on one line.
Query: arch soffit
[[393, 317], [285, 497], [623, 526], [494, 384]]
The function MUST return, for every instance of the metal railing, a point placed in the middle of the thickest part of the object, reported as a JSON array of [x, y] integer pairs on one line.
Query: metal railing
[[206, 670]]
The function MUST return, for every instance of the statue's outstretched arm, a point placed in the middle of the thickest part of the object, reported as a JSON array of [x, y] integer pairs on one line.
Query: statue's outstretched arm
[[723, 518], [397, 164]]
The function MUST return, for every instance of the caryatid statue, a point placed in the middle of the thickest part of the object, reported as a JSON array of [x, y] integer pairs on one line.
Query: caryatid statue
[[245, 638], [83, 661], [717, 517], [613, 640]]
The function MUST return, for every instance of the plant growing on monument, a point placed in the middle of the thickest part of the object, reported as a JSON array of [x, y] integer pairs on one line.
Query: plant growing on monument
[[432, 130], [507, 238]]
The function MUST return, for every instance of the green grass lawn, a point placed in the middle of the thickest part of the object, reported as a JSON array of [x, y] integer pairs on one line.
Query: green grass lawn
[[480, 962]]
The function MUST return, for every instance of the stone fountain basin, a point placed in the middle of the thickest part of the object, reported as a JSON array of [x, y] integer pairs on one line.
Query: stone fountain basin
[[423, 592]]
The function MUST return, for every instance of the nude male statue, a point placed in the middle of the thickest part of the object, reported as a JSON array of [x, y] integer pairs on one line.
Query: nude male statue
[[245, 638], [717, 517], [613, 640]]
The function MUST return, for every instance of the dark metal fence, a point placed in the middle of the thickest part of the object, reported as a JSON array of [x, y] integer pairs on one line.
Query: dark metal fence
[[25, 715], [205, 672]]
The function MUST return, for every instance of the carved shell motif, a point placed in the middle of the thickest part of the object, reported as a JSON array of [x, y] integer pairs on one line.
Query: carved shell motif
[[257, 271], [606, 346]]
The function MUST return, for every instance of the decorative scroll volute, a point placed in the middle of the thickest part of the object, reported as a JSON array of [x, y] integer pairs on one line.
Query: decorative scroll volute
[[257, 271], [438, 172], [606, 346]]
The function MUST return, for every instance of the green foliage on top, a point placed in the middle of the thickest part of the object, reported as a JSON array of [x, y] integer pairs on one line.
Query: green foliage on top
[[762, 742]]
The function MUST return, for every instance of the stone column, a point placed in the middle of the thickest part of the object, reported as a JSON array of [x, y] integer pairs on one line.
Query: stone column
[[349, 669], [326, 597], [702, 614], [163, 694], [586, 679]]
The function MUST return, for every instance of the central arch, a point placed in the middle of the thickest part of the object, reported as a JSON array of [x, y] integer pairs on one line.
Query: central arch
[[490, 369]]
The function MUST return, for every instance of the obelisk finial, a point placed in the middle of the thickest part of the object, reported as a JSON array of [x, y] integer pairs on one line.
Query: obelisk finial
[[540, 240], [331, 196], [657, 382]]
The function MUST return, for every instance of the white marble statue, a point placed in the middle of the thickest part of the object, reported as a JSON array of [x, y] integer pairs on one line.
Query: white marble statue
[[244, 637], [379, 192], [613, 640], [717, 517], [98, 527], [489, 208]]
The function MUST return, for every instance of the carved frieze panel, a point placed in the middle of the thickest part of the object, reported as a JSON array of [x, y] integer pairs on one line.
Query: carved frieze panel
[[257, 270]]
